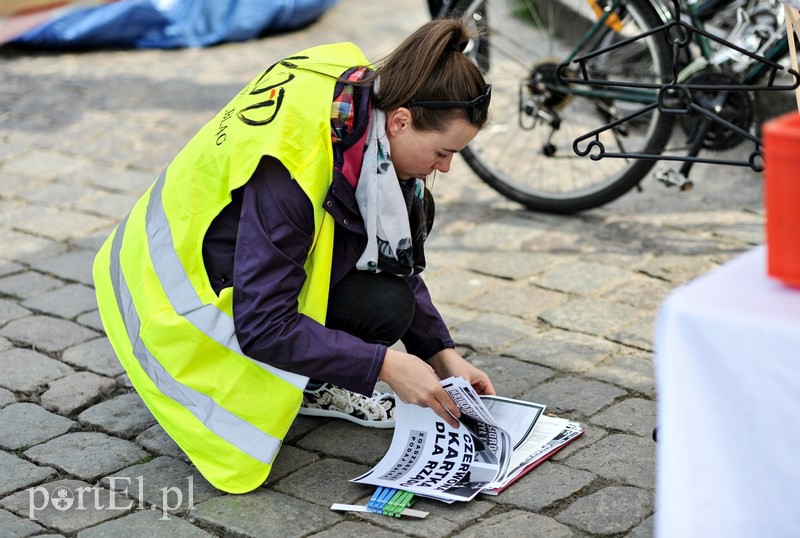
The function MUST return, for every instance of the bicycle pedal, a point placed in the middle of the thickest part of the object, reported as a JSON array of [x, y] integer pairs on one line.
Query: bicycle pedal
[[673, 178]]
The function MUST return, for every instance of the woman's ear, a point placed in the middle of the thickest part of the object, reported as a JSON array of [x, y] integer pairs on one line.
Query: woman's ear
[[398, 120]]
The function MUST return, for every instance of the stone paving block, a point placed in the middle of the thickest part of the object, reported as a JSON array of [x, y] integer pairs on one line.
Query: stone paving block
[[518, 299], [640, 291], [632, 371], [27, 248], [61, 224], [75, 265], [91, 320], [562, 350], [26, 424], [566, 396], [6, 397], [24, 370], [76, 391], [751, 233], [45, 164], [456, 286], [87, 455], [118, 180], [558, 241], [582, 277], [8, 150], [513, 265], [546, 484], [302, 425], [124, 381], [47, 333], [505, 233], [511, 378], [5, 344], [676, 242], [589, 315], [326, 482], [443, 519], [644, 530], [617, 255], [611, 510], [96, 355], [622, 458], [18, 473], [289, 460], [170, 485], [10, 311], [278, 515], [67, 505], [634, 415], [638, 334], [28, 284], [157, 441], [356, 528], [517, 523], [12, 526], [105, 204], [93, 241], [454, 315], [8, 267], [125, 416], [15, 185], [145, 523], [491, 332], [53, 194], [676, 269], [342, 439], [66, 302]]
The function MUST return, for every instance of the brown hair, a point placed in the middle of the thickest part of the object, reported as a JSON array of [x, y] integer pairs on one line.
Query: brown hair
[[429, 66]]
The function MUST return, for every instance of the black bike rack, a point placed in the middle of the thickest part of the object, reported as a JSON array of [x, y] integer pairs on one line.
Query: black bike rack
[[676, 98]]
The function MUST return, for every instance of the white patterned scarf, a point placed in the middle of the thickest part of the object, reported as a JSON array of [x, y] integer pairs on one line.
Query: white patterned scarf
[[385, 211]]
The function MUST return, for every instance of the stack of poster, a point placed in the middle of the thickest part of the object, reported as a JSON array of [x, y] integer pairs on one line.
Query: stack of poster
[[498, 441]]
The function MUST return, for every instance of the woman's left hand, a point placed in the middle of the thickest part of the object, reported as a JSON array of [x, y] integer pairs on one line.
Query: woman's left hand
[[448, 363]]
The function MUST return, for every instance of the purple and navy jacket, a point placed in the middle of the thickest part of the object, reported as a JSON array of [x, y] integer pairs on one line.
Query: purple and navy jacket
[[259, 244]]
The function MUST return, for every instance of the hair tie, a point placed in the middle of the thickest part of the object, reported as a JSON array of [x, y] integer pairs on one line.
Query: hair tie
[[457, 46]]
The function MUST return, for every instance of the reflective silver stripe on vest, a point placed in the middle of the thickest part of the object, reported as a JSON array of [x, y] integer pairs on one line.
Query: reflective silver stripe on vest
[[215, 323], [219, 420]]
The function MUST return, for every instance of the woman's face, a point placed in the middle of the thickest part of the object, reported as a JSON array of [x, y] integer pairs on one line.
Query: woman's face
[[419, 153]]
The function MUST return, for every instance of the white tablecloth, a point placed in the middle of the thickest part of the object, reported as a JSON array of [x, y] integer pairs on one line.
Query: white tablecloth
[[727, 350]]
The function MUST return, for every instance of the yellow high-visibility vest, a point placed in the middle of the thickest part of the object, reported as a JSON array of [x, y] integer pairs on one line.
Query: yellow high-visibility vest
[[172, 333]]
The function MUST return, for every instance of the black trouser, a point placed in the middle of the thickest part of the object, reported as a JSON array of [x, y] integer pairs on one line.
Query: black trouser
[[376, 307]]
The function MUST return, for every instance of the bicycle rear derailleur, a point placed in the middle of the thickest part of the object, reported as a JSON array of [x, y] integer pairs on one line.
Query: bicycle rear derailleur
[[538, 100]]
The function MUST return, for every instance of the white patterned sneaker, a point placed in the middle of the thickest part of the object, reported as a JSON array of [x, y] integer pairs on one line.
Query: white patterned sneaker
[[329, 400]]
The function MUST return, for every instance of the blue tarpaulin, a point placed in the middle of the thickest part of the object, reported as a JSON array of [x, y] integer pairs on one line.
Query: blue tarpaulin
[[170, 23]]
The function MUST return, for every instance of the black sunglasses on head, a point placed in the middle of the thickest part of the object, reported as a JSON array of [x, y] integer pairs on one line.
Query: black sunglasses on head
[[477, 108]]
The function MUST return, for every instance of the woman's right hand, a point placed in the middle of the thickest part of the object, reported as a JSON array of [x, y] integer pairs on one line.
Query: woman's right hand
[[414, 381]]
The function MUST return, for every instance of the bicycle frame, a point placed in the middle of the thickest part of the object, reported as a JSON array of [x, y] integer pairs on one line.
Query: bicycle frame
[[674, 97]]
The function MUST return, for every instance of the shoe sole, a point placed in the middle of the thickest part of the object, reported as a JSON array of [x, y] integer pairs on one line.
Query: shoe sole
[[312, 412]]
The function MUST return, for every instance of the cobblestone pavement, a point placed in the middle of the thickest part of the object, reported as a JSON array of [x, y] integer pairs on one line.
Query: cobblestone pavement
[[560, 310]]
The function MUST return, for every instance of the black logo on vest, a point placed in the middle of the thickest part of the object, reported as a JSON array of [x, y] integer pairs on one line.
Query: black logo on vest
[[264, 111]]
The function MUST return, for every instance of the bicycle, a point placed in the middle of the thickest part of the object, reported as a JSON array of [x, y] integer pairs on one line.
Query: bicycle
[[559, 68]]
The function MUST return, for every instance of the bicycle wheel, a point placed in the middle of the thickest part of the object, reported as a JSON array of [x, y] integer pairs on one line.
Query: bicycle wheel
[[526, 152]]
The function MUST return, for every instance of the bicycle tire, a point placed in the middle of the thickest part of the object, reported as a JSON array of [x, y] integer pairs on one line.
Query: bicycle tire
[[518, 159]]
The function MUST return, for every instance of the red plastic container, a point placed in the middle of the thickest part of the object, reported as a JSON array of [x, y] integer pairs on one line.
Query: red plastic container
[[782, 197]]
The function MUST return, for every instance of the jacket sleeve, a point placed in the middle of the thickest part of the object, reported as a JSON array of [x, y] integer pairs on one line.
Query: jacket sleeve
[[275, 234], [428, 333]]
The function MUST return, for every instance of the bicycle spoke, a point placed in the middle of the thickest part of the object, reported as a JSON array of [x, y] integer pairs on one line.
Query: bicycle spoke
[[526, 152]]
